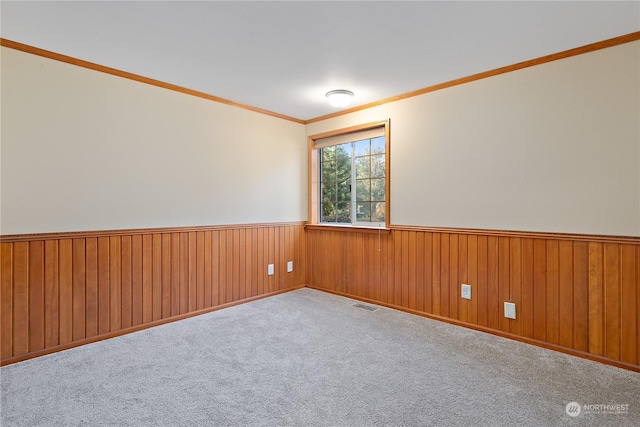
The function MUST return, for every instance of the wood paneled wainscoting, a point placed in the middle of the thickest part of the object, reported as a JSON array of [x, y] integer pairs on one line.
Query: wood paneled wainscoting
[[573, 293], [66, 289]]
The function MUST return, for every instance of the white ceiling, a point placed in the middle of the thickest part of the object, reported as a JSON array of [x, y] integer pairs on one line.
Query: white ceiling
[[284, 56]]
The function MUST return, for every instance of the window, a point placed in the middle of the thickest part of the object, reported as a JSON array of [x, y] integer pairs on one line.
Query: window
[[349, 176]]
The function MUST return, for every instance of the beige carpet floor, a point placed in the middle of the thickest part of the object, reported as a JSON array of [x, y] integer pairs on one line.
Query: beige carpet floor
[[308, 358]]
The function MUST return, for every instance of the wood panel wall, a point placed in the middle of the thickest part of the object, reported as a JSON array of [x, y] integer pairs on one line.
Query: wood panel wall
[[577, 294], [63, 290]]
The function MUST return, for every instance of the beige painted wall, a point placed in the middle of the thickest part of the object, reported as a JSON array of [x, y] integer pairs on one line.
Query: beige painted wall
[[553, 148], [83, 150]]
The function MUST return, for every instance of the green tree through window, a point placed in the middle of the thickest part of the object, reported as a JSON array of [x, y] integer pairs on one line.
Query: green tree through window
[[352, 182]]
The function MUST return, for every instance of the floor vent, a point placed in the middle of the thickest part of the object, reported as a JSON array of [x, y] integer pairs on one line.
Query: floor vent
[[366, 307]]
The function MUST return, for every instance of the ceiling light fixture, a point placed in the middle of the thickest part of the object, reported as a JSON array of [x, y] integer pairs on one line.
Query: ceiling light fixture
[[339, 98]]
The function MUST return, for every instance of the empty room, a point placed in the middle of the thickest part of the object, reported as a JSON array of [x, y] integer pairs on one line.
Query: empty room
[[319, 213]]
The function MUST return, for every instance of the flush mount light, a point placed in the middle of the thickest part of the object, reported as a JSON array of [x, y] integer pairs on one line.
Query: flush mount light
[[340, 98]]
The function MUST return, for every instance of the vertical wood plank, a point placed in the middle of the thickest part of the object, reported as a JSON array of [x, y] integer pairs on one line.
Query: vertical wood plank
[[208, 272], [334, 268], [368, 266], [51, 294], [472, 278], [346, 270], [183, 280], [301, 254], [504, 283], [167, 296], [539, 289], [156, 276], [287, 255], [115, 281], [312, 255], [308, 254], [300, 259], [200, 263], [565, 293], [493, 295], [436, 263], [454, 292], [444, 274], [580, 296], [261, 261], [637, 264], [250, 287], [515, 282], [193, 272], [242, 259], [335, 264], [527, 288], [224, 249], [280, 261], [383, 257], [420, 279], [79, 301], [126, 280], [91, 286], [404, 268], [271, 241], [233, 291], [21, 298], [359, 264], [428, 272], [255, 262], [393, 235], [596, 299], [463, 266], [229, 257], [175, 273], [6, 315], [104, 285], [398, 284], [482, 289], [147, 278], [332, 265], [66, 291], [628, 304], [612, 301], [215, 267], [552, 291], [376, 270], [36, 295], [136, 280]]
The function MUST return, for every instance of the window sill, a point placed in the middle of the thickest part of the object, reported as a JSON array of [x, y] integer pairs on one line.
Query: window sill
[[347, 228]]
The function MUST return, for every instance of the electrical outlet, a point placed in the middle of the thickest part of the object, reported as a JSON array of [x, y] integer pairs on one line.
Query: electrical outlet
[[289, 266], [270, 269], [466, 291], [509, 310]]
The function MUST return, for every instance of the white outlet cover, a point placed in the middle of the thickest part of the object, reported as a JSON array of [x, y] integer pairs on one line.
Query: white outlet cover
[[289, 266], [270, 269], [509, 310], [466, 291]]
